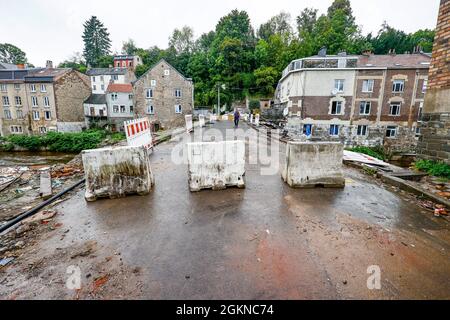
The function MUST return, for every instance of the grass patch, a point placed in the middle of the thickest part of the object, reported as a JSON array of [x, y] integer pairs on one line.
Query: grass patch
[[376, 152], [434, 168]]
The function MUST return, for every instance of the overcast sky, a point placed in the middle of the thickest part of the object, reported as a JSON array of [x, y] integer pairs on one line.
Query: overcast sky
[[51, 29]]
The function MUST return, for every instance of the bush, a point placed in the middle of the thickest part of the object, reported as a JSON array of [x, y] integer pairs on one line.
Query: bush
[[60, 142], [376, 152], [438, 169]]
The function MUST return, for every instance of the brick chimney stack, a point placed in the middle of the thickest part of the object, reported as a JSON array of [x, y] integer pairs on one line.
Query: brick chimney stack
[[49, 64]]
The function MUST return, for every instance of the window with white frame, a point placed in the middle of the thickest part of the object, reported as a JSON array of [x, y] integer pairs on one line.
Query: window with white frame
[[115, 77], [34, 101], [334, 130], [364, 107], [166, 72], [391, 131], [94, 87], [368, 85], [16, 129], [149, 93], [47, 115], [361, 130], [42, 129], [130, 97], [178, 108], [102, 87], [153, 83], [339, 85], [18, 100], [17, 86], [123, 109], [395, 108], [43, 88], [336, 107], [150, 109], [116, 109], [93, 79], [102, 78], [131, 109], [19, 114], [3, 87], [178, 93], [35, 115], [113, 96], [7, 114], [32, 87], [46, 102], [424, 85], [5, 100], [398, 85]]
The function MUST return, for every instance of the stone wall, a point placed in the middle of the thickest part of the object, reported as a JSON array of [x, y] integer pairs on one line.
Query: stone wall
[[71, 90], [434, 142]]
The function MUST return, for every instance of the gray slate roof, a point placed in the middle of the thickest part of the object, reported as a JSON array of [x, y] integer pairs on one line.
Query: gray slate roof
[[96, 99], [106, 71], [8, 66]]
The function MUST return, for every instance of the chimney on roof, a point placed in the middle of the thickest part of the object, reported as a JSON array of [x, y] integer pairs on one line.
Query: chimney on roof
[[21, 66], [49, 64], [392, 52], [323, 52], [367, 52]]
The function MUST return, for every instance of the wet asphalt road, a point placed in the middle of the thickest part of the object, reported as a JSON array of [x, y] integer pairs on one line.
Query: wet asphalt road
[[266, 241]]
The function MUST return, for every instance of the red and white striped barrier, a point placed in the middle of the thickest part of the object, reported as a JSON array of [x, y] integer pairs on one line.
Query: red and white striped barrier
[[139, 133]]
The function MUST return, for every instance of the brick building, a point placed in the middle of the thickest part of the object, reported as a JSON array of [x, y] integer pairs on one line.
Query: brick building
[[434, 142], [163, 95], [127, 61], [357, 99], [35, 101]]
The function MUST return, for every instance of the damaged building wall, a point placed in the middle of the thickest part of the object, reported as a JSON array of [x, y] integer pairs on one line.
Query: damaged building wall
[[434, 140], [370, 105]]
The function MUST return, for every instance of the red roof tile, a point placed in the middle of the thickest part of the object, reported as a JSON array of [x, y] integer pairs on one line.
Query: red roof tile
[[120, 87]]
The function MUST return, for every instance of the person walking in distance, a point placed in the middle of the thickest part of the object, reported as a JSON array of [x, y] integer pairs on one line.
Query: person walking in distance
[[236, 118]]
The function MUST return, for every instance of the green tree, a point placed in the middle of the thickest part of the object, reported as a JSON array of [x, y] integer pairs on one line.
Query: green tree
[[266, 79], [96, 41], [129, 47], [106, 61], [182, 40], [11, 54], [74, 62], [279, 24]]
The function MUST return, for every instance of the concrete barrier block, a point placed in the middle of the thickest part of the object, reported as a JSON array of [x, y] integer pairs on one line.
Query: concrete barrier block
[[116, 172], [201, 121], [311, 164], [216, 165], [189, 125]]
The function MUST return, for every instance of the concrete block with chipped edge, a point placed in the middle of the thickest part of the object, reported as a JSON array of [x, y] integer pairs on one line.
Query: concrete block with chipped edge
[[116, 172], [312, 164], [216, 165]]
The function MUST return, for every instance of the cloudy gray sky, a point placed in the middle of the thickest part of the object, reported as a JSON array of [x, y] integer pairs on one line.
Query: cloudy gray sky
[[51, 29]]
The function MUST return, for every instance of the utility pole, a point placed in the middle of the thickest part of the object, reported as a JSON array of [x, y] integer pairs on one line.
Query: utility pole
[[218, 99]]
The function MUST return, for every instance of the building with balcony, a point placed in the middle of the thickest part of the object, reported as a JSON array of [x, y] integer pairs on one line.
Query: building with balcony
[[357, 99]]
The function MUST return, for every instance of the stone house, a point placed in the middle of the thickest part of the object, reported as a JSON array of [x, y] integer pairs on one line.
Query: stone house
[[356, 99], [163, 95], [38, 100]]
